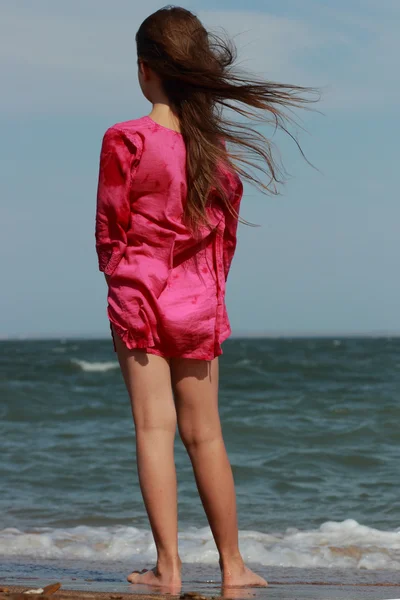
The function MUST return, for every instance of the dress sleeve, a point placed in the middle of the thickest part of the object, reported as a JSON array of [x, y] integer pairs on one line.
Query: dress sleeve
[[119, 156], [231, 225]]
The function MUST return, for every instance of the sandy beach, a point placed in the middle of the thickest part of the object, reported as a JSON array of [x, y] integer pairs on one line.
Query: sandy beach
[[275, 591]]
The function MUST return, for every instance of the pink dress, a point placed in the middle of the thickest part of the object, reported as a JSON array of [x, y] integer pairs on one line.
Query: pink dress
[[166, 290]]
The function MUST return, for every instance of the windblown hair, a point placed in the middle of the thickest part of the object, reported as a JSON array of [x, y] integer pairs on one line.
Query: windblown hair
[[198, 75]]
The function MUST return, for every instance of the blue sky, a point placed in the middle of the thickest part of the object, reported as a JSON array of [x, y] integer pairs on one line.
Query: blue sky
[[325, 257]]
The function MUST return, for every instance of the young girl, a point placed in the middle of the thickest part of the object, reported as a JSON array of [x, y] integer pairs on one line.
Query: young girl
[[167, 212]]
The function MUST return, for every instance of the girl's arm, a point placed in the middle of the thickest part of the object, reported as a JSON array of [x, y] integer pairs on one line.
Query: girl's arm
[[231, 225], [113, 211]]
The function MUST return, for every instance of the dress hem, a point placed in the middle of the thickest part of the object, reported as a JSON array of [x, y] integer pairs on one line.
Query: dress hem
[[143, 345]]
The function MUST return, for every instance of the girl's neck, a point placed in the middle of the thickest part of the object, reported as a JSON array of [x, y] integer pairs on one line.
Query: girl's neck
[[163, 115]]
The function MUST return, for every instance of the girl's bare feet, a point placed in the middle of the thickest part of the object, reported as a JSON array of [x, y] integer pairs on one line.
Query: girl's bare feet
[[160, 576], [236, 574]]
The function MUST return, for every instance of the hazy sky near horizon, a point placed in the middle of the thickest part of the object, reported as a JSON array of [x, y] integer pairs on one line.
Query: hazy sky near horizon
[[325, 257]]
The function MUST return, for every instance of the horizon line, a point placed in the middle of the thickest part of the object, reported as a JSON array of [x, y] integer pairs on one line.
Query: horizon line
[[237, 335]]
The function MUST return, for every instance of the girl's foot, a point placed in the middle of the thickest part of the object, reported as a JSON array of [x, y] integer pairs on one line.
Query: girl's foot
[[159, 577], [236, 574]]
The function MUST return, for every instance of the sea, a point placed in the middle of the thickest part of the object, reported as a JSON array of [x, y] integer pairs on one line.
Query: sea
[[312, 429]]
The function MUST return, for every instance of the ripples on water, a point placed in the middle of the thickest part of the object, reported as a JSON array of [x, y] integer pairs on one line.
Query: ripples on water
[[311, 426]]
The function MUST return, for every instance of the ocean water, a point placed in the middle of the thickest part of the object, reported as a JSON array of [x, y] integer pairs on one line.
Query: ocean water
[[312, 428]]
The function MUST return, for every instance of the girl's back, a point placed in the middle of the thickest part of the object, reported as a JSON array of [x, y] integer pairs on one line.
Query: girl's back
[[167, 286]]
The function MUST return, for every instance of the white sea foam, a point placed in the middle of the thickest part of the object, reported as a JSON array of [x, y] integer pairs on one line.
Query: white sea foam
[[100, 367], [345, 544], [243, 362]]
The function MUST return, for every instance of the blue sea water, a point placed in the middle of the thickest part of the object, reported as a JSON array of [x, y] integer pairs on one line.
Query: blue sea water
[[312, 431]]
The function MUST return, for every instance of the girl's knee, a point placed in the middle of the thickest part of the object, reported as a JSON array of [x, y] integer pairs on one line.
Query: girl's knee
[[195, 436], [151, 421]]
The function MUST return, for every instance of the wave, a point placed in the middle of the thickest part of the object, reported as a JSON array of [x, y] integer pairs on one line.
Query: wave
[[64, 348], [345, 544], [91, 367]]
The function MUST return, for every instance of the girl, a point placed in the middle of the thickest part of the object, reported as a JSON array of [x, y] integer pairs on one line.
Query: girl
[[167, 213]]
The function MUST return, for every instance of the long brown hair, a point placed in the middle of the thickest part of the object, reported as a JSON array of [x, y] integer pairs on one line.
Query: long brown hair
[[196, 68]]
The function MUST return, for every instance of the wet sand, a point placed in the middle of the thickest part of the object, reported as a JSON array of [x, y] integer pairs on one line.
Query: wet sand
[[275, 591]]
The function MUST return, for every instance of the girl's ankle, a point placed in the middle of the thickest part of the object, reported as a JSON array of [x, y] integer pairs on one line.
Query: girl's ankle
[[169, 562], [231, 559]]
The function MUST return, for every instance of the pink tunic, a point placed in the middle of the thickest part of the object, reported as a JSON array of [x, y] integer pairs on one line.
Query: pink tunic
[[166, 290]]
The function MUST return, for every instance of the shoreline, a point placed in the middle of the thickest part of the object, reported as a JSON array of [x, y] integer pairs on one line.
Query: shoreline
[[276, 590]]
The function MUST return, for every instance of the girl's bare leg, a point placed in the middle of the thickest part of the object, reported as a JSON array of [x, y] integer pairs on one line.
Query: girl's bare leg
[[148, 381], [195, 385]]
